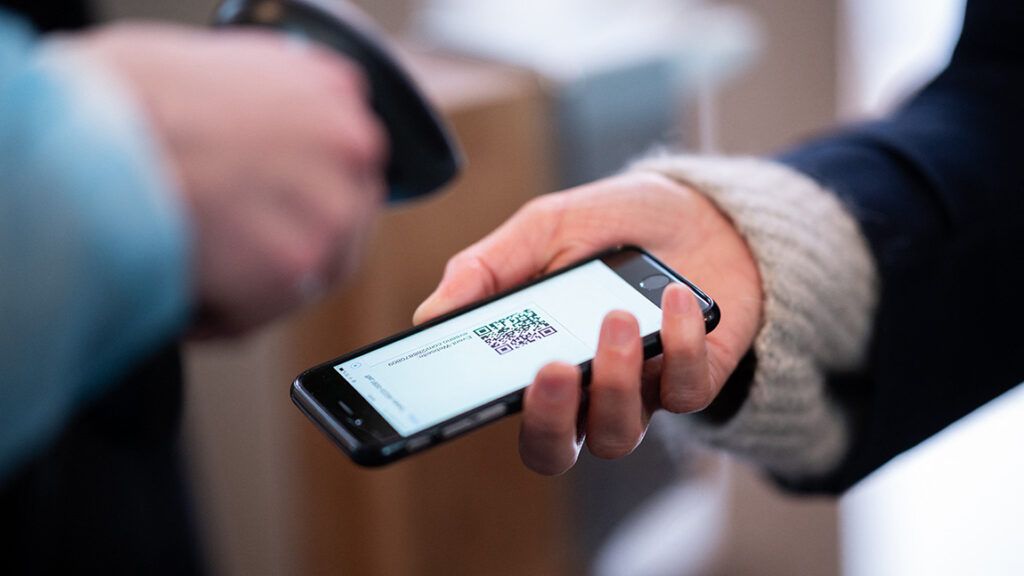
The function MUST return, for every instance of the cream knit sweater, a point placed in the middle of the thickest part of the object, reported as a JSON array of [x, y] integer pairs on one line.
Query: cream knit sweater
[[820, 288]]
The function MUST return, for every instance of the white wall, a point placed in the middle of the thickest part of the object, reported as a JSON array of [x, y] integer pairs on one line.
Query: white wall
[[889, 48]]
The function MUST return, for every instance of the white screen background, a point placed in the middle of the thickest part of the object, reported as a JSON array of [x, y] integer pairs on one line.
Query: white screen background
[[448, 369]]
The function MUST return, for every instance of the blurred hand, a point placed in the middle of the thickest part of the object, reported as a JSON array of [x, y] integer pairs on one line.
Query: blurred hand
[[276, 152], [676, 224]]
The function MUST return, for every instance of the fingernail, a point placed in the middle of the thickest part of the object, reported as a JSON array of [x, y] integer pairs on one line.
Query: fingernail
[[461, 285], [618, 330], [439, 300], [676, 300], [421, 310], [428, 302]]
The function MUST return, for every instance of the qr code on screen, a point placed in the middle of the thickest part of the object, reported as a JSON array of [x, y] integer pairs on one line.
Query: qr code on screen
[[514, 331]]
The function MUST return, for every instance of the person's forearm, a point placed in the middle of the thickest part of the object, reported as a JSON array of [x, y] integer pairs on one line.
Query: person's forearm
[[94, 244]]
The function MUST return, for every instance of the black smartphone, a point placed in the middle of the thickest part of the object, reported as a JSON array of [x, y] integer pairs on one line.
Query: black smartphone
[[455, 373]]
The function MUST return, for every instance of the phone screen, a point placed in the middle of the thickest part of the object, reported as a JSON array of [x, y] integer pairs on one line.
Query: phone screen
[[494, 350]]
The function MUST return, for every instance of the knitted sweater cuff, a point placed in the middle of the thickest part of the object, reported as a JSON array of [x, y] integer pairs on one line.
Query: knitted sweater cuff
[[820, 289]]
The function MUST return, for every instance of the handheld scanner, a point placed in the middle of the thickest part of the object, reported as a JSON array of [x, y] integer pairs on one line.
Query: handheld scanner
[[423, 154]]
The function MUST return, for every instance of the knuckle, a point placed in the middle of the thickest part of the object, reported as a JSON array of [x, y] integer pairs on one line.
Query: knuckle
[[355, 133], [655, 182], [616, 375], [684, 399], [614, 391], [347, 72], [544, 423], [339, 136], [471, 259], [460, 261], [547, 205], [684, 346], [685, 385], [357, 138], [610, 448], [612, 396], [349, 76], [372, 143], [624, 360], [333, 69]]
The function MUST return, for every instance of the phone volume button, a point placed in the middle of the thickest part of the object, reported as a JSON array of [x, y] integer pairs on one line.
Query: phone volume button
[[417, 443], [491, 413], [457, 427]]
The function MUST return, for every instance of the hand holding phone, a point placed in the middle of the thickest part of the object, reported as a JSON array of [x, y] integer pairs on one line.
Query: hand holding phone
[[687, 232], [469, 367], [671, 220]]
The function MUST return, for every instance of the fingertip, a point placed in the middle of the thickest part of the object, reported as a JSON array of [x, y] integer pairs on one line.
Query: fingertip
[[623, 316], [460, 285], [545, 466], [558, 370], [619, 331], [673, 300], [425, 311]]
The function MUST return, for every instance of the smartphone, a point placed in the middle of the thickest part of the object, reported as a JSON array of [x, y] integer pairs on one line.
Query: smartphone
[[458, 372]]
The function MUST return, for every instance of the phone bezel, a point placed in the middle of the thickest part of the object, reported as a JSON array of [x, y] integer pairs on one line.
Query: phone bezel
[[341, 412]]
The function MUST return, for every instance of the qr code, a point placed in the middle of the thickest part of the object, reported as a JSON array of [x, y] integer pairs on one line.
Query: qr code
[[514, 331]]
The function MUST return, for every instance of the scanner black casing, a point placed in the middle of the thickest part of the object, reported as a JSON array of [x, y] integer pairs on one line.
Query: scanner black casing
[[423, 155]]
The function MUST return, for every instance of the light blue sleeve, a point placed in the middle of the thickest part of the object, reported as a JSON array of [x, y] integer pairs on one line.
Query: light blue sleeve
[[94, 242]]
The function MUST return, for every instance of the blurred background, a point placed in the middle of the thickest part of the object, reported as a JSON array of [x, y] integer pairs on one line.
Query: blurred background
[[545, 94]]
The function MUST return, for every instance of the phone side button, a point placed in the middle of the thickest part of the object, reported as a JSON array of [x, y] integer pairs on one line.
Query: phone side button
[[417, 443], [455, 428], [491, 413]]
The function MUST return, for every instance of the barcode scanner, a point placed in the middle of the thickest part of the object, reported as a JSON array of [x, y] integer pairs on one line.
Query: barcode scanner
[[423, 154]]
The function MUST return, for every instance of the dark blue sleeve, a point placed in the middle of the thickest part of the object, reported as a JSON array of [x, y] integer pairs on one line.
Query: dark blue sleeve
[[938, 189]]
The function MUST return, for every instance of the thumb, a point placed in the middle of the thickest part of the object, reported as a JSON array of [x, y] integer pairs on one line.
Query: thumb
[[466, 279], [516, 251]]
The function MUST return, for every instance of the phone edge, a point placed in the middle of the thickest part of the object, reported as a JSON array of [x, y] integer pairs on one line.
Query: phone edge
[[314, 411]]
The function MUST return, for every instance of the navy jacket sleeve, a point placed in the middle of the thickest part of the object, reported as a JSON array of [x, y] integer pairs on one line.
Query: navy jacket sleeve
[[938, 189]]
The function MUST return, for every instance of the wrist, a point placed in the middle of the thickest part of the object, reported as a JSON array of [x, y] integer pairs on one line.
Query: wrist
[[819, 288]]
